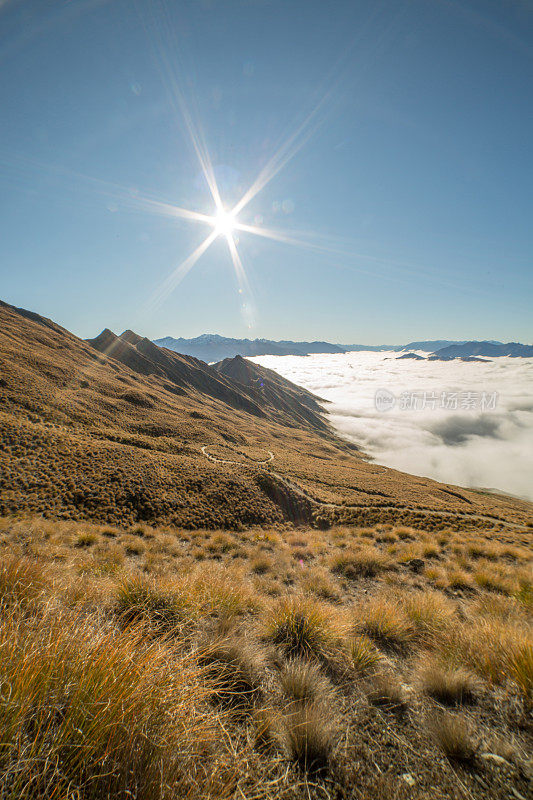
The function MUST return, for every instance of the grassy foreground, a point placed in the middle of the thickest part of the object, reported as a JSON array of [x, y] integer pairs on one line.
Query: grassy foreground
[[381, 662]]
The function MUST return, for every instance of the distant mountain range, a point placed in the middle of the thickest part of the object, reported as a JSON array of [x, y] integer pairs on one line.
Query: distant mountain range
[[210, 347], [471, 350]]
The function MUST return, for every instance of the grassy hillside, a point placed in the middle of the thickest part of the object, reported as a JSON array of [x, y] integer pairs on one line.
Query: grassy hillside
[[381, 662], [85, 435], [205, 594]]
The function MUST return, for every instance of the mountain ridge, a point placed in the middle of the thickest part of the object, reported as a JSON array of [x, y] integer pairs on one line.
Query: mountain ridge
[[188, 374], [212, 347], [486, 348], [121, 433]]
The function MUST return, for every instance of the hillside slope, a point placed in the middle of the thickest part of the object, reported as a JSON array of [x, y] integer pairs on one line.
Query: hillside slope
[[274, 390], [125, 433], [184, 372], [287, 404]]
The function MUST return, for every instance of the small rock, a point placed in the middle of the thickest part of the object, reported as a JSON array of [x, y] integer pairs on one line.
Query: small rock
[[409, 779], [496, 759]]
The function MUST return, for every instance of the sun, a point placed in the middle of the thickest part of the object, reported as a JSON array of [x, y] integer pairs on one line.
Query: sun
[[225, 222]]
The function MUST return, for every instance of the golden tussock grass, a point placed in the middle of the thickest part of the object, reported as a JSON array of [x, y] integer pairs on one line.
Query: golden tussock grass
[[22, 582], [384, 621], [451, 732], [387, 691], [446, 684], [307, 736], [364, 654], [301, 626], [164, 676], [430, 614], [365, 562], [495, 650], [94, 712], [235, 669], [304, 681], [320, 582], [159, 605]]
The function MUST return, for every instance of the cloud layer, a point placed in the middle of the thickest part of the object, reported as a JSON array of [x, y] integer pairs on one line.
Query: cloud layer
[[480, 440]]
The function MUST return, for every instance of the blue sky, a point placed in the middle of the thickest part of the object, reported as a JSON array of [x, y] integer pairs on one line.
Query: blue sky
[[409, 190]]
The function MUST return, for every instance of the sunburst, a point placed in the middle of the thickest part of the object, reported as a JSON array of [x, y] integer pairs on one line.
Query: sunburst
[[225, 222], [228, 221]]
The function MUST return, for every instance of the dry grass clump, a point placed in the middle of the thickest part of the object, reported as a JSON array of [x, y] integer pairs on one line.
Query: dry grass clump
[[479, 549], [497, 606], [95, 714], [405, 533], [22, 582], [430, 613], [430, 550], [364, 563], [497, 650], [267, 730], [446, 684], [364, 654], [303, 680], [234, 669], [386, 536], [452, 734], [520, 669], [134, 548], [86, 539], [261, 564], [524, 595], [307, 737], [488, 576], [320, 583], [459, 579], [384, 621], [140, 599], [301, 626], [220, 591], [220, 543], [386, 690], [168, 602]]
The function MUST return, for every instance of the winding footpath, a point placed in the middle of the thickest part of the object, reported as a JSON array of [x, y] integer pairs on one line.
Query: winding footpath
[[390, 507], [241, 463]]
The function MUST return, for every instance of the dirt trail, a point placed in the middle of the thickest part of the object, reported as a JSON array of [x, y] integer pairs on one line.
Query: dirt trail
[[390, 507], [240, 463]]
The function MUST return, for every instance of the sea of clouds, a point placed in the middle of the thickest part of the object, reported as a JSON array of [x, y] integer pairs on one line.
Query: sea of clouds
[[469, 424]]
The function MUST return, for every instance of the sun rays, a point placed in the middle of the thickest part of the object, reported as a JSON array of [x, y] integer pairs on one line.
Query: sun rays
[[224, 221], [230, 222]]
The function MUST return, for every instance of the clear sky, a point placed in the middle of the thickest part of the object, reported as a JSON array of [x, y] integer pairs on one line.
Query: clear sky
[[405, 180]]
